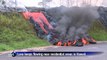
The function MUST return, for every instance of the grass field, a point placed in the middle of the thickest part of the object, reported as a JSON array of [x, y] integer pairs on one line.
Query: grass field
[[98, 32], [16, 33]]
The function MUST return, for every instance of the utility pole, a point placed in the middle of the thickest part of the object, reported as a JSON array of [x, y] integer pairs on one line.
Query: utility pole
[[16, 5], [68, 3], [60, 2]]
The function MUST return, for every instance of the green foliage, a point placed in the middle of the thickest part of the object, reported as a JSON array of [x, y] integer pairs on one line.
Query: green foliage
[[16, 33], [4, 47], [98, 31]]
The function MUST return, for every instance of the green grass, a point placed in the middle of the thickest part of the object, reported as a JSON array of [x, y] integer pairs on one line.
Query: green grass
[[16, 33], [98, 32]]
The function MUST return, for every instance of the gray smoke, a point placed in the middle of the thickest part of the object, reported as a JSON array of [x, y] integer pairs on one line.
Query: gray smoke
[[75, 21]]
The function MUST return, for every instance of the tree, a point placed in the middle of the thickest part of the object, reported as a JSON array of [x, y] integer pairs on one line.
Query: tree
[[2, 2], [7, 5]]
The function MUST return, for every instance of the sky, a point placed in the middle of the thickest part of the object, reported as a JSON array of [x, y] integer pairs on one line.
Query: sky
[[35, 3], [54, 3], [29, 3]]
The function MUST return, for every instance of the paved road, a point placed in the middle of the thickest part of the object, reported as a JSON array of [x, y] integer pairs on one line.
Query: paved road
[[97, 47]]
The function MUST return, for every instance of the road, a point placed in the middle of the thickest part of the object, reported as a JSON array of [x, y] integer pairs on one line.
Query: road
[[102, 47]]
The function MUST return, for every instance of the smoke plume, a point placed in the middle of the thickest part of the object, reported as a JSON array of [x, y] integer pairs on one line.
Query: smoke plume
[[74, 22]]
